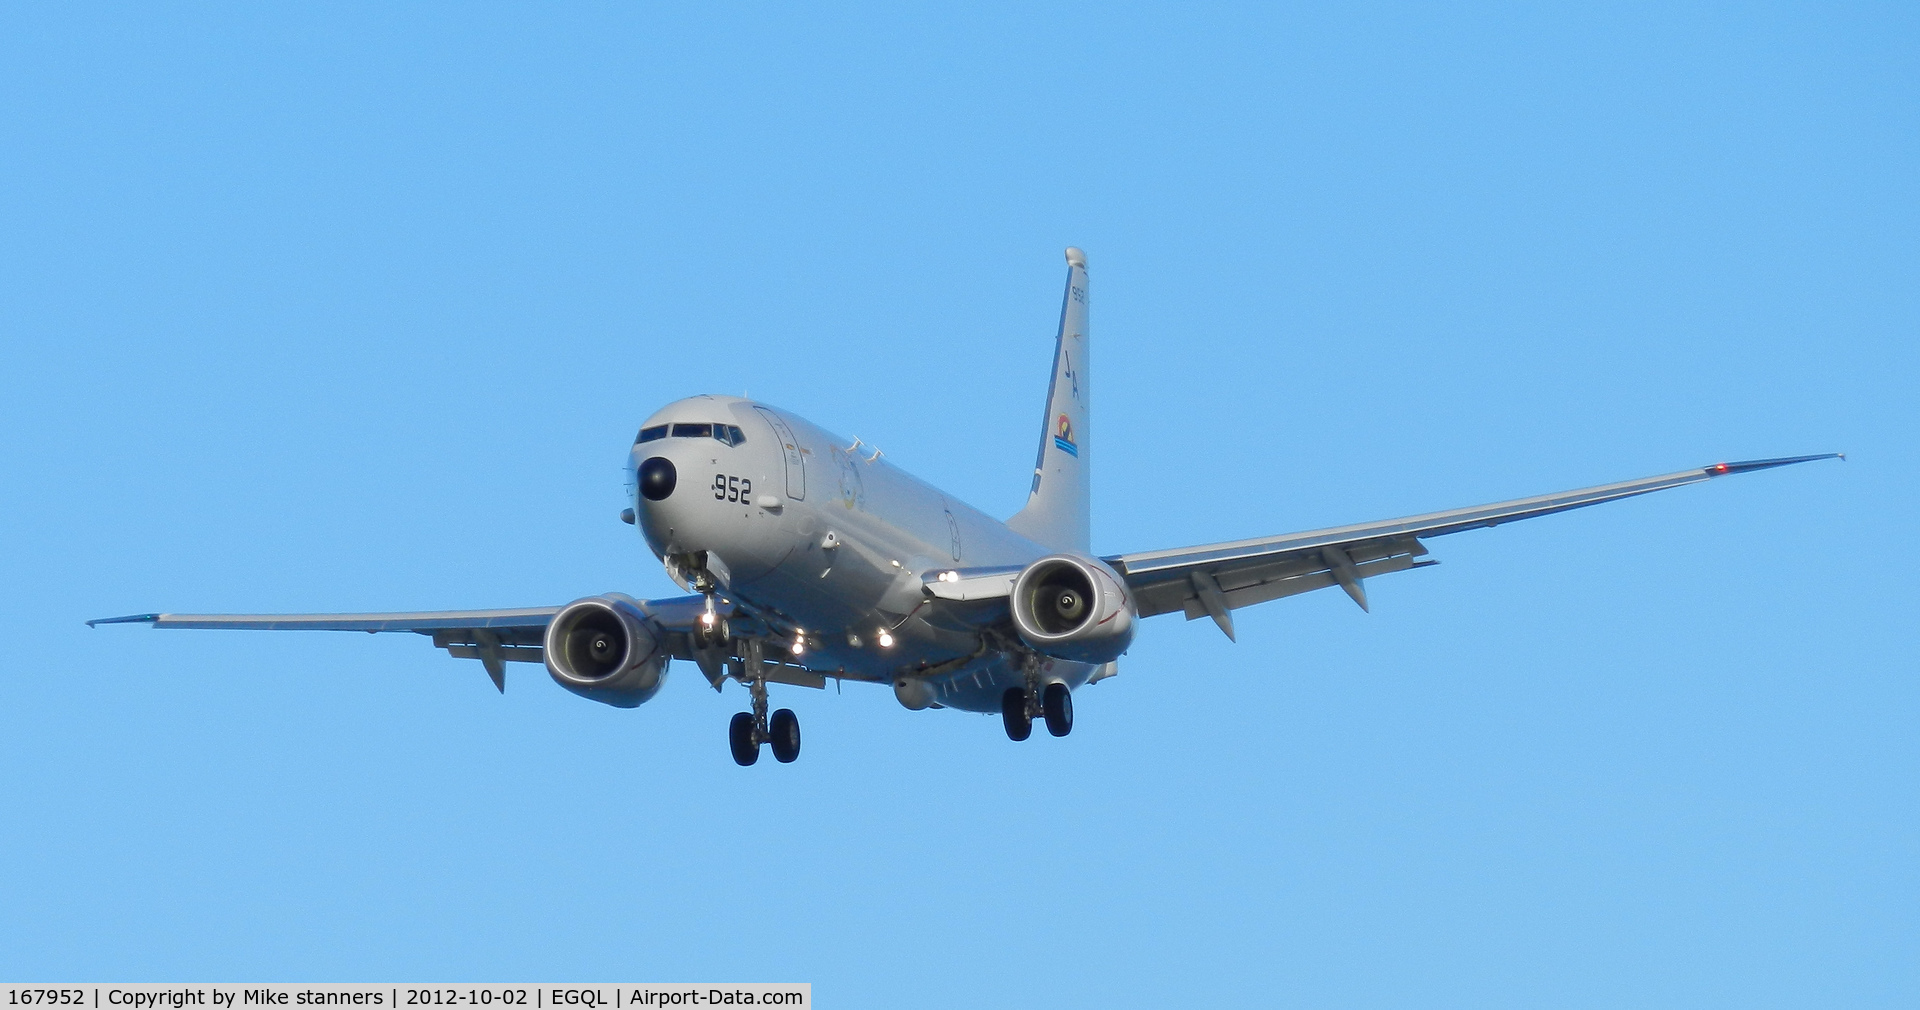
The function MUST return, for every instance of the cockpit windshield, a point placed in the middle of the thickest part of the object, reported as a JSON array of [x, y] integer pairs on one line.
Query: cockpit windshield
[[728, 433]]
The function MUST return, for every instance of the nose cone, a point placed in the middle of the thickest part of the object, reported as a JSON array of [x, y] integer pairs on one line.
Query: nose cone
[[669, 521], [657, 478]]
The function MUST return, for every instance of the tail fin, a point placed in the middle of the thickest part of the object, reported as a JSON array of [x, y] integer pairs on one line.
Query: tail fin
[[1057, 508]]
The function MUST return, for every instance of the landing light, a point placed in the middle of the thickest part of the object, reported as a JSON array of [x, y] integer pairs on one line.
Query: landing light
[[949, 576], [886, 640], [799, 647], [707, 618]]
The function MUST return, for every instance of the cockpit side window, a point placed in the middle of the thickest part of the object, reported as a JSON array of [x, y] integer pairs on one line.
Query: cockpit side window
[[693, 431], [720, 432], [649, 434], [733, 430]]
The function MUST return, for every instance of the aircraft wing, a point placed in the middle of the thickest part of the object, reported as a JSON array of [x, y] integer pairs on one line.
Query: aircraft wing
[[494, 637], [1216, 579]]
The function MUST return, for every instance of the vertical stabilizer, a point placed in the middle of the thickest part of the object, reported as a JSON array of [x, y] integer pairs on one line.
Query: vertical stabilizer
[[1057, 507]]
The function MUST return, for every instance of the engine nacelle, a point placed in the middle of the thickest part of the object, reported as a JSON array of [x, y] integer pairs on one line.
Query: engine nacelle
[[600, 648], [1073, 608]]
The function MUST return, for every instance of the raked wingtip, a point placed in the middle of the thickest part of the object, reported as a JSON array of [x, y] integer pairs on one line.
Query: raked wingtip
[[1746, 466], [129, 619]]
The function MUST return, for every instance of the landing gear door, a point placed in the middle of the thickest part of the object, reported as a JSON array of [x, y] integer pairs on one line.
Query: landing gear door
[[790, 452]]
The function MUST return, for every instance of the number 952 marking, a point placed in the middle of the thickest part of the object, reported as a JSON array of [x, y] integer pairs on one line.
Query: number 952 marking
[[734, 489]]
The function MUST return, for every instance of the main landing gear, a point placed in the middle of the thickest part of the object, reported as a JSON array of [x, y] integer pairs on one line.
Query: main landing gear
[[782, 731], [749, 730], [741, 736], [1017, 709], [1057, 704]]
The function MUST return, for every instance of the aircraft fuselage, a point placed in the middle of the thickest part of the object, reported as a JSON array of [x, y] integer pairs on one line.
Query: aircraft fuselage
[[828, 534]]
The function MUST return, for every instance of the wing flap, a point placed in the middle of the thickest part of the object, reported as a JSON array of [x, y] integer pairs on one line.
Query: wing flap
[[1261, 578], [1274, 589], [507, 653]]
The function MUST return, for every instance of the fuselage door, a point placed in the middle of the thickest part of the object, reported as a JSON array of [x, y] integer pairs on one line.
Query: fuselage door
[[790, 452]]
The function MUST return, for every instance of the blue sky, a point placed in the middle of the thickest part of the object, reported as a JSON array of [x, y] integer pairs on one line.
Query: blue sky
[[347, 307]]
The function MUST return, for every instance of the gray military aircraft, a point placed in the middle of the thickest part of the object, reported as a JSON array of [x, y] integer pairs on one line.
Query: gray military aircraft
[[809, 557]]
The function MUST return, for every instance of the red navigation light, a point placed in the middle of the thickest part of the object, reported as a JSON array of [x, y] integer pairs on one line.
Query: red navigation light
[[1719, 468]]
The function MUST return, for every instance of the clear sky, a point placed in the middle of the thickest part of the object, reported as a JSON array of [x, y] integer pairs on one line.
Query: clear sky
[[356, 307]]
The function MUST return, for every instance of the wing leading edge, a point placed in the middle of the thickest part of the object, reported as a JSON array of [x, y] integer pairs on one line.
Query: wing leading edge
[[1215, 579], [423, 622]]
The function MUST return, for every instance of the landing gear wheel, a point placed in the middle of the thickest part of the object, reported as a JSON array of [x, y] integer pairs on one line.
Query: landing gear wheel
[[1057, 703], [784, 731], [1013, 708], [746, 750]]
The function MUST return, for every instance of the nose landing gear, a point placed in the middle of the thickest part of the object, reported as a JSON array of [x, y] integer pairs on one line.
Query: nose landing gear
[[712, 631]]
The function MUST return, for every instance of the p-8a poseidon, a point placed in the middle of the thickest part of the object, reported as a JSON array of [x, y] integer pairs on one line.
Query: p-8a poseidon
[[809, 556]]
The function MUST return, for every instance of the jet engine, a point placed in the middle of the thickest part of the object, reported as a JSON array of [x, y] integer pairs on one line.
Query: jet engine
[[601, 648], [1073, 608]]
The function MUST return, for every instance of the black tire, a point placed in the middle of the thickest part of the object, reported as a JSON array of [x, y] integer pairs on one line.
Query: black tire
[[740, 738], [1013, 708], [784, 727], [1056, 702]]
